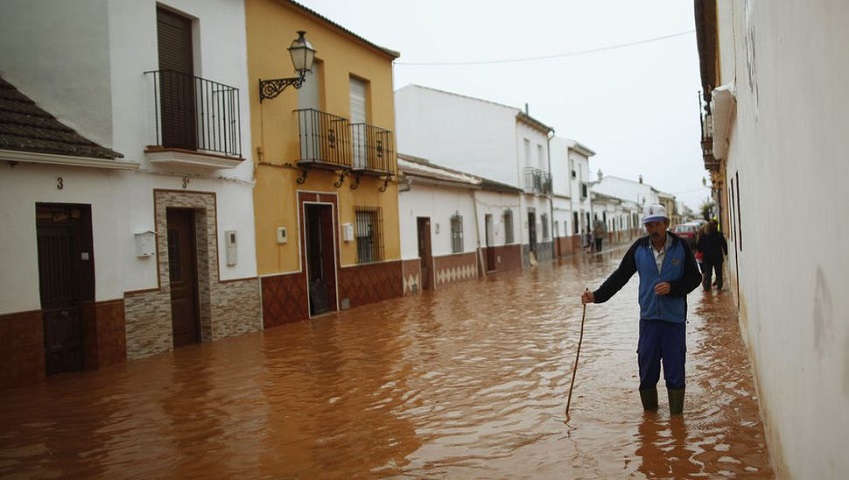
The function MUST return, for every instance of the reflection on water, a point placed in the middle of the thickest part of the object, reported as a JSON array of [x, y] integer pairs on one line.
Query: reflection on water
[[467, 382]]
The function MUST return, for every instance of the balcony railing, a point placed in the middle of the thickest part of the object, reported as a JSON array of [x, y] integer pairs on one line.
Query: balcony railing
[[196, 114], [373, 150], [537, 180], [324, 140]]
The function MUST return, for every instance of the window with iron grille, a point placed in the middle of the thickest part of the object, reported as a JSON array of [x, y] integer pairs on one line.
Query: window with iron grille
[[544, 220], [457, 233], [369, 234], [508, 226]]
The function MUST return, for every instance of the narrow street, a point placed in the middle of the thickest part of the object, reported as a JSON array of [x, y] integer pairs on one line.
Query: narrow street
[[469, 382]]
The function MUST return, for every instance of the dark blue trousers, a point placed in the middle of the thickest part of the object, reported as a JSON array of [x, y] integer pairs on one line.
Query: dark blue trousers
[[661, 342]]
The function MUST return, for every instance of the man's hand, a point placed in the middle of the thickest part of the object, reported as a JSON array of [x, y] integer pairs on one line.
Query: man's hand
[[662, 288], [587, 297]]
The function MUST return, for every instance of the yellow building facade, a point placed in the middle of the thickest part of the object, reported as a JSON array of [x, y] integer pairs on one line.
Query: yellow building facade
[[325, 198]]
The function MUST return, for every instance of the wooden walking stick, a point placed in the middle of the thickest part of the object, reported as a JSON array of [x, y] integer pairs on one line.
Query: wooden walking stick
[[577, 356]]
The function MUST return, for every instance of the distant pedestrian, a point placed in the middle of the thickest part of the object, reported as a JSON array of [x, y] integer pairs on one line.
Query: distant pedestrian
[[668, 273], [588, 241], [713, 246], [598, 234]]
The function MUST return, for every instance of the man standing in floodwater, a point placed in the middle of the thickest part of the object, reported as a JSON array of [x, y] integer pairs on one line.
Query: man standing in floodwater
[[668, 272]]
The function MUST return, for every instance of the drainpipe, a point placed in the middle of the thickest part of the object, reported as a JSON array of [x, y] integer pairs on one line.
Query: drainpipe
[[481, 264], [551, 197]]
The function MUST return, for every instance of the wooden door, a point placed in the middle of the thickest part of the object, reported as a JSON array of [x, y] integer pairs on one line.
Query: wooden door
[[425, 252], [321, 257], [490, 244], [64, 281], [182, 268]]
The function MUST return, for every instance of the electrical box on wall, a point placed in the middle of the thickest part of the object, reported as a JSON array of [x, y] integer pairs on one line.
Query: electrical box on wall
[[281, 235], [230, 241], [146, 244], [347, 232]]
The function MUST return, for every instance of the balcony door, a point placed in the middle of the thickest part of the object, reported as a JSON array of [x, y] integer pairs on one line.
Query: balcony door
[[359, 112], [309, 97], [176, 81]]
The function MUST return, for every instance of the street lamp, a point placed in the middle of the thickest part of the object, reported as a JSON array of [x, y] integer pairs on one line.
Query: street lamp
[[303, 56]]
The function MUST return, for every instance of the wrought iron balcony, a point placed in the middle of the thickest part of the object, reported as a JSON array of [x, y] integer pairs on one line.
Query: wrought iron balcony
[[329, 142], [537, 180], [196, 115], [374, 154], [324, 140]]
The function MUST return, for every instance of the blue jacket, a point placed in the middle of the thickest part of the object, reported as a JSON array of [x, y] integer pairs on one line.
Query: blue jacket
[[679, 269]]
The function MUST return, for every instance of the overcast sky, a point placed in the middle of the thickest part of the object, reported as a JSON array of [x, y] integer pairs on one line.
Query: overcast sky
[[619, 76]]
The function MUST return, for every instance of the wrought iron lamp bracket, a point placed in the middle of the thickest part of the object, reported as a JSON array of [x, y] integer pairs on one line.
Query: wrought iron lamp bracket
[[269, 89]]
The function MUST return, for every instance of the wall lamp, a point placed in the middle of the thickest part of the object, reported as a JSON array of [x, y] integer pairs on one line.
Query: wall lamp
[[303, 56]]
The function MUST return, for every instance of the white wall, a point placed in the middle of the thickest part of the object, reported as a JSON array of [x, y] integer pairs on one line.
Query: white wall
[[439, 204], [474, 136], [56, 52], [84, 62], [495, 203], [788, 243]]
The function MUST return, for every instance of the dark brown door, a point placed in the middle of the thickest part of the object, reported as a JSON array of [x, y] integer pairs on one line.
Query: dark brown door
[[321, 264], [65, 279], [182, 265], [532, 231], [425, 253], [490, 244], [176, 80]]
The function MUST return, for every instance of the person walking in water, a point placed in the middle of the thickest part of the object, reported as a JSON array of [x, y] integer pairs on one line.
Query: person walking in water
[[713, 246], [668, 272], [598, 234]]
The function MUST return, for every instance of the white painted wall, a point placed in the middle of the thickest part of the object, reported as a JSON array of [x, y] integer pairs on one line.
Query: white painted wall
[[495, 203], [788, 242], [468, 134], [84, 62], [439, 204], [632, 191]]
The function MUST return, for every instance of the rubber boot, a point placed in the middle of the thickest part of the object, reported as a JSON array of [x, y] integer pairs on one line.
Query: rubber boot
[[649, 398], [676, 401]]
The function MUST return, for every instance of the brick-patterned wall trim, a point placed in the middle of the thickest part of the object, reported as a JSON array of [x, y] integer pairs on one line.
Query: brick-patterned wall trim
[[235, 308], [284, 299], [411, 270], [148, 320], [371, 282], [508, 257], [455, 268], [21, 349]]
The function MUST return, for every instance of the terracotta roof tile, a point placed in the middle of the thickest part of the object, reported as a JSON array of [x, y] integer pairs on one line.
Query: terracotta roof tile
[[26, 127]]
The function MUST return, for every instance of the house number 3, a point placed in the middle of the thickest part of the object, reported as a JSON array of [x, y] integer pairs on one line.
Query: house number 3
[[60, 183]]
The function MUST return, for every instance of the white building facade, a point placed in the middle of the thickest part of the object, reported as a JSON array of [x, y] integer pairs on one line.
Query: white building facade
[[774, 78], [172, 254], [570, 193], [485, 139]]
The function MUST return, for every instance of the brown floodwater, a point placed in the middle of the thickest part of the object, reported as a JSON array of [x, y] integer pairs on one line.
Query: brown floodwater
[[469, 382]]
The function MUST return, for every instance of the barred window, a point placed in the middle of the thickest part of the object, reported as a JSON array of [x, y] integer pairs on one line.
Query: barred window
[[543, 218], [457, 233], [508, 226], [369, 234]]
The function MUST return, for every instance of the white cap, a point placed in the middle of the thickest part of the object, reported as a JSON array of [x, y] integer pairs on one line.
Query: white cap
[[654, 213]]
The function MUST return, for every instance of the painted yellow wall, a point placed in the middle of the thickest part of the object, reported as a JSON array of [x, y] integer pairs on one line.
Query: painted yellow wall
[[271, 27]]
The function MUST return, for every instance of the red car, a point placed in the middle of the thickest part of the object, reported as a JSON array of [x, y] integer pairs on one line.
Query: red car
[[687, 231]]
